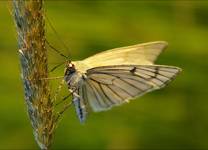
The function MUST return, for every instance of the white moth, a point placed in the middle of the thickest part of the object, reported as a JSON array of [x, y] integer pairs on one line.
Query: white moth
[[116, 76]]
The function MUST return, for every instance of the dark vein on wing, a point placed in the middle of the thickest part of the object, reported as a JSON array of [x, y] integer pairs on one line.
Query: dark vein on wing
[[84, 96], [119, 78], [129, 83], [104, 100], [132, 84], [109, 89], [161, 68], [156, 72], [115, 75], [94, 94], [100, 96], [115, 92], [136, 74], [124, 90], [142, 82], [100, 85], [103, 68]]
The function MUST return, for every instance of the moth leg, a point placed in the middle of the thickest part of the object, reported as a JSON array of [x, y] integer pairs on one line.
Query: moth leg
[[58, 90], [71, 92], [66, 97], [62, 111], [67, 105], [51, 78], [74, 93]]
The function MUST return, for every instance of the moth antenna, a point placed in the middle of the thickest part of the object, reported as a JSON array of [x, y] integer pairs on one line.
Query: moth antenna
[[57, 51], [55, 67], [56, 33]]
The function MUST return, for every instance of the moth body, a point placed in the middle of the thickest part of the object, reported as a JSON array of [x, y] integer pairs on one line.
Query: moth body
[[72, 78]]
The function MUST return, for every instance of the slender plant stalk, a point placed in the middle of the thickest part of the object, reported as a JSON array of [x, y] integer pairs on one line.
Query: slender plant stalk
[[30, 25]]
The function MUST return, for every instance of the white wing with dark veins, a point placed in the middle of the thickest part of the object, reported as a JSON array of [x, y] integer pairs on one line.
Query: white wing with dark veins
[[110, 86]]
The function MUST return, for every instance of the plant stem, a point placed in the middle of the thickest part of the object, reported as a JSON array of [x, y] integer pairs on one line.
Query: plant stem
[[30, 25]]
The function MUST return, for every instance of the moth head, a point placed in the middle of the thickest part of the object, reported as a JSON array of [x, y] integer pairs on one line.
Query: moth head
[[70, 68]]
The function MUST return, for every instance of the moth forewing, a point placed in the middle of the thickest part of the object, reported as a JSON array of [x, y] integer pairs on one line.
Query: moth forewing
[[140, 54]]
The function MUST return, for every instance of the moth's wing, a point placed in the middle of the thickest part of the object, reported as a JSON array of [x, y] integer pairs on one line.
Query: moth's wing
[[140, 54], [109, 86]]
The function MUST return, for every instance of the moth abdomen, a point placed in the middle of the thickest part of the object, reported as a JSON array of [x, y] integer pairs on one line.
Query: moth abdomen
[[80, 110]]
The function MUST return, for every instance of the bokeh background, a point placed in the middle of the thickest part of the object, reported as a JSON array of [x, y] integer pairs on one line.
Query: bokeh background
[[174, 117]]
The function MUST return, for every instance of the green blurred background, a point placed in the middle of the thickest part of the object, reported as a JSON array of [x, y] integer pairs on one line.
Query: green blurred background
[[174, 117]]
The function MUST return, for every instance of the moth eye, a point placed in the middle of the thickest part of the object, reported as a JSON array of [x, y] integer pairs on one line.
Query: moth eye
[[70, 65]]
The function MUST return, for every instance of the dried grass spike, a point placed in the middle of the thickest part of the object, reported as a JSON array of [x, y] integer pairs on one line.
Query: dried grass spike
[[30, 26]]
